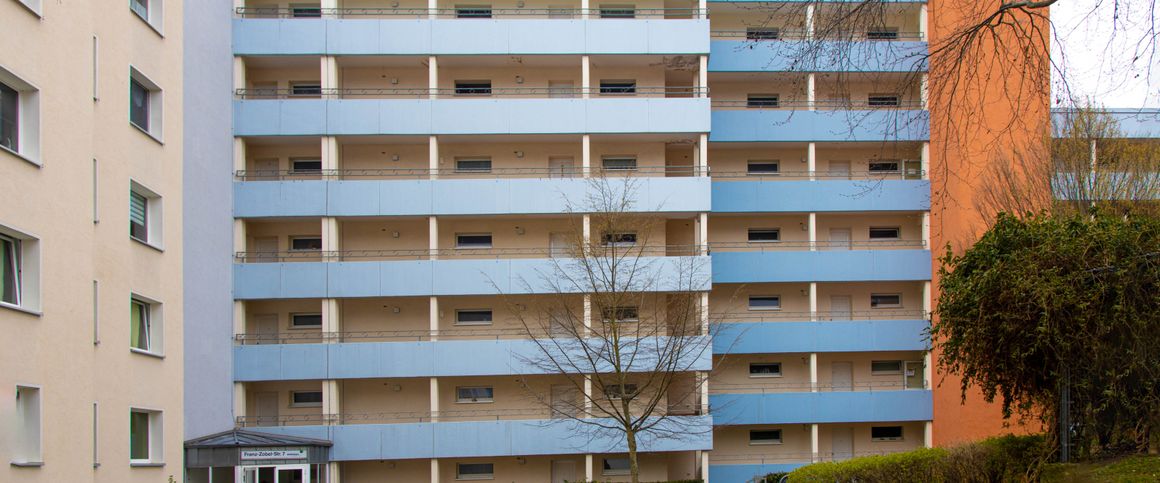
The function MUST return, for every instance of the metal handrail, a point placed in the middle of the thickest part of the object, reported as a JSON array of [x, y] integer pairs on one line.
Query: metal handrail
[[791, 457], [823, 104], [820, 316], [803, 34], [466, 93], [493, 13], [511, 414], [798, 387], [457, 253], [805, 245], [394, 335], [425, 173], [825, 175]]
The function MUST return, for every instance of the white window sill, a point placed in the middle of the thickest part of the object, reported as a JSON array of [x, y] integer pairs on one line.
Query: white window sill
[[147, 133], [152, 27], [6, 305], [159, 248], [147, 353], [145, 464], [4, 149], [27, 464]]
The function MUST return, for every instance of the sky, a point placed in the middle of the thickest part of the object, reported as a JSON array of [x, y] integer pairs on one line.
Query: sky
[[1095, 49]]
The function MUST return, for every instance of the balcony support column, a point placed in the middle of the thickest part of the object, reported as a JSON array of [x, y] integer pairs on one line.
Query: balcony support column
[[928, 434], [433, 318], [434, 470], [588, 471], [813, 372], [433, 156], [810, 21], [331, 403], [812, 160], [433, 65], [333, 472], [704, 313], [239, 73], [813, 301], [240, 400], [587, 395], [433, 382], [239, 316], [330, 237], [703, 390], [585, 64], [586, 156], [926, 302], [433, 237], [329, 154], [811, 91], [587, 314], [329, 5], [241, 241], [329, 72], [926, 230], [703, 72], [927, 370], [239, 154], [703, 155], [922, 22], [924, 91], [703, 239], [331, 320], [925, 160], [814, 443], [812, 228]]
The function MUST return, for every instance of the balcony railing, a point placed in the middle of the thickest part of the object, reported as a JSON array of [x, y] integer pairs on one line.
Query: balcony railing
[[819, 245], [909, 174], [787, 387], [821, 105], [493, 173], [307, 337], [473, 92], [782, 458], [459, 253], [799, 316], [514, 414], [767, 35], [473, 13]]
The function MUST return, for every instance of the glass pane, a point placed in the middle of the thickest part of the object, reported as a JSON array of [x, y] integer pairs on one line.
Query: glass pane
[[138, 206], [473, 165], [9, 118], [306, 320], [764, 235], [138, 104], [468, 470], [619, 163], [139, 337], [473, 317], [9, 271], [764, 168], [138, 435], [764, 303], [306, 244], [765, 369], [475, 394], [141, 8], [473, 241]]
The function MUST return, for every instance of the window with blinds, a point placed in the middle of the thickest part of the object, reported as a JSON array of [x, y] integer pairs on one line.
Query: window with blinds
[[138, 216]]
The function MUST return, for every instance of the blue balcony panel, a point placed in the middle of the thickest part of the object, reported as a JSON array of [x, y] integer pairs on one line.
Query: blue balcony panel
[[257, 199], [468, 37], [354, 117], [363, 360], [741, 473], [402, 278], [768, 125], [469, 439], [843, 336], [822, 266], [822, 407], [792, 56], [820, 196]]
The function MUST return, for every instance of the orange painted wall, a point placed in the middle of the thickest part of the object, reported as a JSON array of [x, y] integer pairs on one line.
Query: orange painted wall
[[984, 108]]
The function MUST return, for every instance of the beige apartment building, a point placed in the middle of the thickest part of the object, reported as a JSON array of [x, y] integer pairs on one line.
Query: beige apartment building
[[90, 241]]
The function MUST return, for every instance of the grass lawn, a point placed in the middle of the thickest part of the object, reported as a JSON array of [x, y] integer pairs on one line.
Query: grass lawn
[[1123, 470]]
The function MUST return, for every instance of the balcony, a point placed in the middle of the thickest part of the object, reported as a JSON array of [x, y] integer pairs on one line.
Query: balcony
[[826, 193], [775, 125], [731, 52], [535, 30], [865, 265], [871, 335], [838, 406]]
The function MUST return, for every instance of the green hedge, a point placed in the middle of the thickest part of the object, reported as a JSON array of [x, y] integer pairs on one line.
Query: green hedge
[[1003, 459]]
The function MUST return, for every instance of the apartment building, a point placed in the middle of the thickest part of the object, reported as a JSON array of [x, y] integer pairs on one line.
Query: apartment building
[[90, 241], [401, 167]]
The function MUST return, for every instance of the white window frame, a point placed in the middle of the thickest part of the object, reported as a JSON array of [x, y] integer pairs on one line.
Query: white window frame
[[312, 326], [295, 404], [897, 232], [749, 164], [610, 239], [901, 434], [33, 6], [472, 323], [292, 238], [305, 84], [892, 372], [156, 438], [899, 305], [750, 231], [605, 471], [154, 210], [635, 165], [29, 449], [763, 376], [156, 102], [459, 169], [154, 14], [460, 476], [27, 117], [459, 399], [459, 246], [296, 159], [764, 309], [156, 326], [612, 87], [27, 250], [766, 442]]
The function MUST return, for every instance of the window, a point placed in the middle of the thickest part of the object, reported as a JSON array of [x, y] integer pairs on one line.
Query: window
[[890, 166], [472, 165], [764, 235], [473, 240], [149, 11], [144, 436], [885, 367], [305, 399], [32, 5], [305, 89], [619, 163], [303, 321], [617, 87], [477, 394], [27, 448], [145, 319], [141, 8], [300, 10], [473, 88], [765, 369], [620, 314], [620, 239], [882, 33], [617, 11], [762, 101], [764, 436], [144, 215], [616, 467], [883, 100], [885, 301], [764, 302], [305, 165], [19, 117], [473, 317], [144, 104], [762, 33], [474, 471], [617, 392], [305, 243], [886, 433], [763, 168], [473, 11], [19, 270], [885, 232]]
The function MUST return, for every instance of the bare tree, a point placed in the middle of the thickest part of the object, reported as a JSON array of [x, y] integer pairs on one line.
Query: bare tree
[[624, 322]]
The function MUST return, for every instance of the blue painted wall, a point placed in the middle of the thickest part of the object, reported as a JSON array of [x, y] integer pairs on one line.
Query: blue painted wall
[[477, 36], [821, 407], [844, 336], [353, 117], [766, 125], [792, 56], [746, 473], [255, 199], [820, 196], [821, 266]]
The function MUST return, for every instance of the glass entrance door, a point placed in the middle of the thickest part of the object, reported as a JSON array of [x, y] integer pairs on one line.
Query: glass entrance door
[[274, 474]]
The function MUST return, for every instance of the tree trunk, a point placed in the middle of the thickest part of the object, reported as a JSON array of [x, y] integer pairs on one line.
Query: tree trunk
[[633, 467]]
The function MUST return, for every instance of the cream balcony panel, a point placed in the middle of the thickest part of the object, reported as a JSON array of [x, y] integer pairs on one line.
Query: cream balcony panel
[[507, 81], [852, 91], [836, 160], [385, 401], [732, 374], [403, 73], [396, 238], [383, 472], [509, 159], [732, 233], [273, 159], [395, 160], [912, 434], [731, 445], [831, 226], [859, 300], [293, 240], [273, 322], [731, 161], [786, 17], [394, 319], [508, 316], [270, 404], [732, 90], [904, 17], [730, 302], [862, 377]]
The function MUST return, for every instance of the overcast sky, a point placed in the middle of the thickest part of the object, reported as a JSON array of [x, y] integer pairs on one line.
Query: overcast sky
[[1098, 59]]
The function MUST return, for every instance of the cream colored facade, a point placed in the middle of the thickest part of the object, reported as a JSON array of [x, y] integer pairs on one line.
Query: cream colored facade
[[69, 379]]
